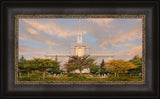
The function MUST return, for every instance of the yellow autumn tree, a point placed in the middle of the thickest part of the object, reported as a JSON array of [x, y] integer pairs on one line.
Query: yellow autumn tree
[[119, 66]]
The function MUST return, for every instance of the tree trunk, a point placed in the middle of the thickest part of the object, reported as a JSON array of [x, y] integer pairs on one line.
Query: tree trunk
[[130, 74], [115, 74], [43, 75], [28, 74], [80, 72]]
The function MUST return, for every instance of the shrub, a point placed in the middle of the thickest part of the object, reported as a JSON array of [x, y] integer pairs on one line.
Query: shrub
[[24, 79], [70, 75], [118, 79], [75, 76]]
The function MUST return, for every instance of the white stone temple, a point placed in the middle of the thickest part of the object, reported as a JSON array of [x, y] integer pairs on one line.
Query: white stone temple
[[79, 49]]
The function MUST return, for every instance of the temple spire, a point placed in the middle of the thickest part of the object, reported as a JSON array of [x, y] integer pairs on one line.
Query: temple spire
[[79, 36]]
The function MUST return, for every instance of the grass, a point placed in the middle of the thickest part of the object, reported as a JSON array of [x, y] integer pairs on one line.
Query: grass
[[79, 78]]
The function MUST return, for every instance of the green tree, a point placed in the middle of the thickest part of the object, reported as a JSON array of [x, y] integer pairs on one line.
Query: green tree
[[22, 58], [136, 60], [79, 62], [102, 70], [102, 64], [55, 67], [21, 62], [94, 69], [56, 58], [29, 66], [43, 64], [119, 66]]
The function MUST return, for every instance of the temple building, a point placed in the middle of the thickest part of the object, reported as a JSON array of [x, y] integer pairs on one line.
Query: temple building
[[79, 49]]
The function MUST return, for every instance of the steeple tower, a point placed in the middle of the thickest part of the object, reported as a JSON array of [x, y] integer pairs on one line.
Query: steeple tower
[[79, 36]]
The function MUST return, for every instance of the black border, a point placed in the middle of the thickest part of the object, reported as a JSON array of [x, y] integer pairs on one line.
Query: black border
[[9, 8]]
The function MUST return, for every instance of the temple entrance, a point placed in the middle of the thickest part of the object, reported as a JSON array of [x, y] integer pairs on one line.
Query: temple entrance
[[80, 51]]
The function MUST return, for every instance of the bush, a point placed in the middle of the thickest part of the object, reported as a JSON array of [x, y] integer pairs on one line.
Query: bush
[[75, 76], [70, 75], [24, 79], [118, 79], [82, 77], [102, 71], [78, 78]]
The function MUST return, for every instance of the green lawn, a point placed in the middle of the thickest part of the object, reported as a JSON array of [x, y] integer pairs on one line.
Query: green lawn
[[79, 78]]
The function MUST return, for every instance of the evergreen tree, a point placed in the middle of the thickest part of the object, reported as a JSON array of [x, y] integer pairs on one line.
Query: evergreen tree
[[21, 58], [56, 58], [21, 63], [137, 60], [102, 64], [102, 70]]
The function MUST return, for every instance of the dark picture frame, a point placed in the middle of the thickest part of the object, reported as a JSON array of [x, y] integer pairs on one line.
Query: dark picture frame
[[21, 16], [148, 90]]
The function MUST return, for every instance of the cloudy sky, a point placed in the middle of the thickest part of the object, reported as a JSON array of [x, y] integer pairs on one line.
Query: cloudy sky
[[121, 36]]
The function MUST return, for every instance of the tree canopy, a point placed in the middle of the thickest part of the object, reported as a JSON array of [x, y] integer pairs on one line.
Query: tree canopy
[[102, 64], [38, 64], [22, 61], [119, 66], [102, 70], [55, 67], [136, 60], [94, 69], [79, 62]]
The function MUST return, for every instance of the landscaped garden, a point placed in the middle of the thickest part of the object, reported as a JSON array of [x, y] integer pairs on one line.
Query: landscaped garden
[[48, 70], [80, 78]]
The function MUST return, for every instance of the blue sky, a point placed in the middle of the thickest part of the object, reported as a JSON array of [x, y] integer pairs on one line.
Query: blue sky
[[121, 36]]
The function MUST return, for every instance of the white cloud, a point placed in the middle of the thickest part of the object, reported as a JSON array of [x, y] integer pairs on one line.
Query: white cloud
[[119, 40], [108, 32], [29, 52], [52, 28], [36, 56], [101, 21], [32, 31], [129, 53], [24, 49]]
